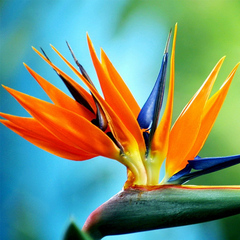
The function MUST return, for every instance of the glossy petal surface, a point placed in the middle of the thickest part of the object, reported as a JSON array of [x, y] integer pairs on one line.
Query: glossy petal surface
[[203, 166], [186, 128], [72, 129]]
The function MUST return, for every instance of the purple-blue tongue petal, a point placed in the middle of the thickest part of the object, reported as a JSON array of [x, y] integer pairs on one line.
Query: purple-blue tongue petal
[[149, 114], [153, 104], [204, 163], [203, 166]]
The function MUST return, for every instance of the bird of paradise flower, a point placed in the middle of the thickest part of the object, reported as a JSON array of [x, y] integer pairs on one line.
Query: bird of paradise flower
[[88, 125]]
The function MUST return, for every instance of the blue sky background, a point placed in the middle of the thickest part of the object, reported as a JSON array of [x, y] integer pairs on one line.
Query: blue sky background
[[41, 193]]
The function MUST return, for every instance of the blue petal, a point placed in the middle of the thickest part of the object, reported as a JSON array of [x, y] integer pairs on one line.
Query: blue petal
[[154, 102], [203, 166], [181, 173], [204, 163], [149, 114]]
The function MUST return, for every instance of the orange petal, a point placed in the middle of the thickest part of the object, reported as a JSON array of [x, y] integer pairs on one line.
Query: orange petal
[[118, 128], [115, 100], [69, 127], [132, 159], [80, 89], [210, 114], [185, 130], [161, 136], [59, 98], [120, 84], [48, 142]]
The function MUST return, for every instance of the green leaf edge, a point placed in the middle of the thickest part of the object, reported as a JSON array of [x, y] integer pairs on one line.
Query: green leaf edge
[[74, 233]]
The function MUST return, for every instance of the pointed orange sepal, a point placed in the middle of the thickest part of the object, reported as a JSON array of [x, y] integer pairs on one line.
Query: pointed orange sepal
[[120, 84], [119, 130], [210, 114], [79, 88], [60, 98], [67, 126], [186, 128], [32, 131], [119, 105]]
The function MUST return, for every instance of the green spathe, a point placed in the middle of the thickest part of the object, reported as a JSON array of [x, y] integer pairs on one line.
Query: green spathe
[[141, 209]]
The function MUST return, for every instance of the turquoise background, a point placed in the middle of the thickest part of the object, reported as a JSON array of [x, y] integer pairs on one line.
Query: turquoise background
[[41, 193]]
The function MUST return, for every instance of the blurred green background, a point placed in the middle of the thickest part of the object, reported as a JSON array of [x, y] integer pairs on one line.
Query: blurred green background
[[40, 192]]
